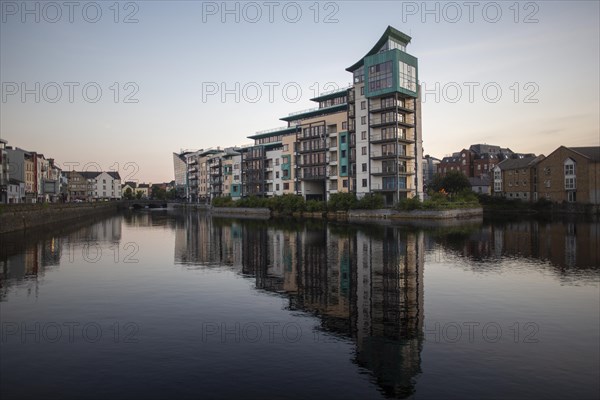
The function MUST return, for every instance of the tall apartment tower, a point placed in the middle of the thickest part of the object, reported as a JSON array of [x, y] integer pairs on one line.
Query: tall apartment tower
[[384, 115]]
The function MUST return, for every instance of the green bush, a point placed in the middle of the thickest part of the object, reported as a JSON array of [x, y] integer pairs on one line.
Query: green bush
[[370, 202], [409, 204], [226, 201], [315, 206], [341, 202], [542, 204]]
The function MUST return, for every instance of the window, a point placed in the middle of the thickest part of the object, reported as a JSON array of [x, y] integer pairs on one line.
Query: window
[[362, 90], [277, 186], [344, 169], [363, 135], [345, 183], [570, 184], [276, 174], [343, 153], [363, 105], [380, 76], [344, 125], [277, 161], [286, 186], [407, 76], [363, 150], [364, 183], [363, 120], [343, 139], [364, 167], [569, 167], [571, 197]]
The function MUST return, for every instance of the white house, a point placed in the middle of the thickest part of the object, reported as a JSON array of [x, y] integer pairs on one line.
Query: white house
[[107, 186]]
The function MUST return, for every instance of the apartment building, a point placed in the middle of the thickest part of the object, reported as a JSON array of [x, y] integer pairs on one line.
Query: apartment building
[[4, 176], [94, 186], [570, 174], [384, 121], [365, 138], [516, 178], [478, 161]]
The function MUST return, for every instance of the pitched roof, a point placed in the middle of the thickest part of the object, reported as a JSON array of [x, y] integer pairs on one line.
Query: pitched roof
[[591, 152], [114, 175], [88, 174], [477, 181], [514, 163]]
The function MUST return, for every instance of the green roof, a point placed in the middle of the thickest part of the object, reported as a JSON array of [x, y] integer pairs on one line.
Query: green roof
[[389, 32]]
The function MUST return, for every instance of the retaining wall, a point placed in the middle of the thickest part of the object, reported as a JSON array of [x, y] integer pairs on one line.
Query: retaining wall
[[14, 217]]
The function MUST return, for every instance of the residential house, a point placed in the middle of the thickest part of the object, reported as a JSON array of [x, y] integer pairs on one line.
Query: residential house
[[570, 174], [516, 178]]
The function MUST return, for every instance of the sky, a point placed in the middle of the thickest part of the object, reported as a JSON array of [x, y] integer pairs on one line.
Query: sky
[[123, 85]]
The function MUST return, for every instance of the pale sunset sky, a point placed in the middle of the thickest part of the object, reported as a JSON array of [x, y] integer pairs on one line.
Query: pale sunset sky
[[133, 82]]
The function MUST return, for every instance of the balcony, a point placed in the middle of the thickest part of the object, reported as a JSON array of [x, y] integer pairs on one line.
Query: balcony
[[390, 120], [390, 137], [308, 176], [391, 170], [389, 187], [315, 150], [390, 105]]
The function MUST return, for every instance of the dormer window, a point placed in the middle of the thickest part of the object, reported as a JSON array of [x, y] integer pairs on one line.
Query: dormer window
[[569, 167]]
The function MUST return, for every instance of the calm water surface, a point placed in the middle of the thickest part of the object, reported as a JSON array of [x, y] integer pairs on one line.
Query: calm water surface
[[179, 305]]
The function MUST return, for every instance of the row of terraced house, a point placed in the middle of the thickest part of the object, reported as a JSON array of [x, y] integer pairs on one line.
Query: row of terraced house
[[29, 177], [567, 174], [365, 138]]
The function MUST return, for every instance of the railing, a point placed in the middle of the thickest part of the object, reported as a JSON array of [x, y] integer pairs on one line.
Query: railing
[[281, 128], [390, 136], [388, 186], [337, 90], [389, 120], [389, 104], [392, 170]]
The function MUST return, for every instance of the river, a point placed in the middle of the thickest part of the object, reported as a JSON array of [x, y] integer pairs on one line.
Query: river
[[174, 304]]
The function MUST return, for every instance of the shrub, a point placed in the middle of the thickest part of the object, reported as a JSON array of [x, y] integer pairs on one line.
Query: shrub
[[409, 204], [315, 206], [341, 202], [226, 201], [370, 202]]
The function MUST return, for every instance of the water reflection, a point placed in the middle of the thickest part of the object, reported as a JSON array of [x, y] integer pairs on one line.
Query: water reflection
[[570, 248], [26, 256], [364, 284]]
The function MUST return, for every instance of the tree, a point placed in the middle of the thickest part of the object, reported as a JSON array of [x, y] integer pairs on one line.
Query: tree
[[452, 182], [128, 194], [158, 193], [456, 182], [139, 194]]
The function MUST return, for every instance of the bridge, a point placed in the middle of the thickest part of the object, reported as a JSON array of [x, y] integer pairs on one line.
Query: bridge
[[142, 203]]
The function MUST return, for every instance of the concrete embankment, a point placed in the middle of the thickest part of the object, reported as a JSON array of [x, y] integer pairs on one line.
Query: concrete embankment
[[461, 213], [15, 217], [359, 215]]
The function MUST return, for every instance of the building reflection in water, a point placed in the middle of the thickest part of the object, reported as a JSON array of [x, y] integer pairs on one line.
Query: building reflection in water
[[366, 285], [26, 256], [567, 246]]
